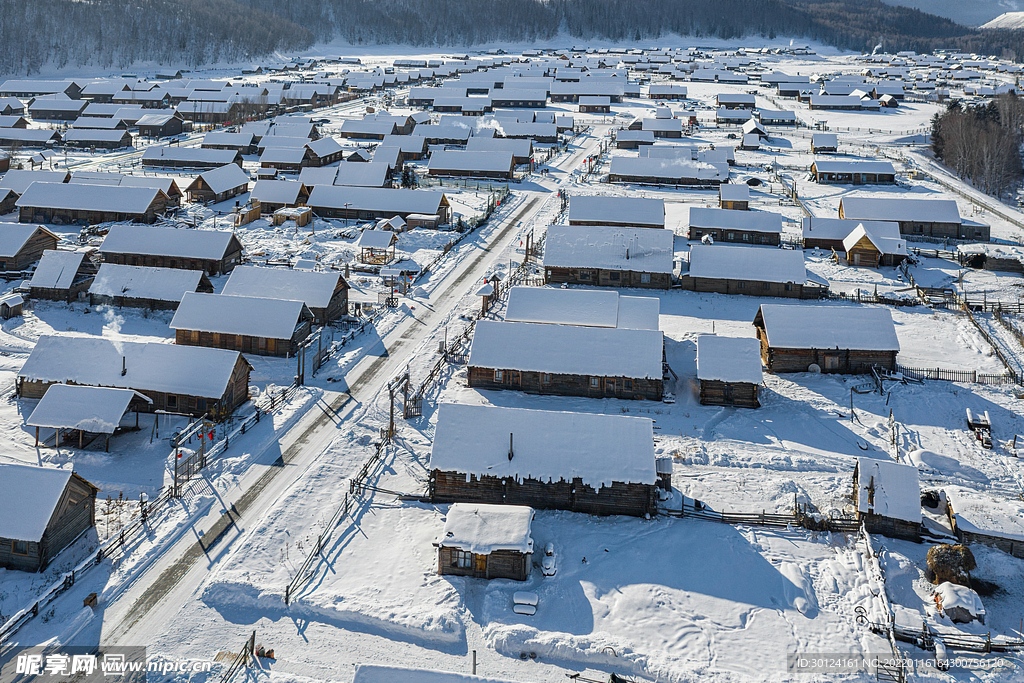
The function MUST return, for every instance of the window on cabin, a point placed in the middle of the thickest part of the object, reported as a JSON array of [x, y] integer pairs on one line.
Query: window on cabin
[[741, 285], [645, 278], [614, 276], [766, 285], [499, 375], [462, 559], [627, 385], [609, 386], [730, 235], [584, 274], [746, 237], [545, 378], [19, 547], [595, 382], [789, 286]]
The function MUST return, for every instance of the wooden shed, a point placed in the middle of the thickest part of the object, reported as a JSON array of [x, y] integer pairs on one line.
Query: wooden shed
[[567, 360], [729, 371], [23, 245], [834, 339], [734, 196], [583, 462], [257, 325], [872, 246], [888, 498], [377, 246], [46, 510], [486, 541], [217, 383]]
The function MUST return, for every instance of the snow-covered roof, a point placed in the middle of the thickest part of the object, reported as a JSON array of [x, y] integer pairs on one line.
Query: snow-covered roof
[[460, 160], [520, 147], [315, 289], [843, 166], [372, 174], [546, 445], [639, 313], [190, 155], [734, 192], [13, 237], [728, 219], [482, 529], [883, 239], [376, 199], [586, 209], [824, 140], [899, 209], [673, 169], [729, 359], [888, 489], [645, 250], [372, 673], [247, 315], [73, 406], [802, 326], [283, 155], [57, 269], [279, 191], [30, 495], [178, 242], [19, 179], [376, 239], [144, 282], [567, 349], [227, 177], [97, 361], [78, 197], [981, 513], [759, 264], [587, 307], [838, 228]]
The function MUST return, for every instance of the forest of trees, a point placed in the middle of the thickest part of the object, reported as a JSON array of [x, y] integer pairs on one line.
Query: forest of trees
[[982, 144], [187, 33]]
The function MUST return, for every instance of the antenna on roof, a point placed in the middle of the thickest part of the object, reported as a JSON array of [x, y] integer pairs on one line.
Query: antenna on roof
[[510, 453]]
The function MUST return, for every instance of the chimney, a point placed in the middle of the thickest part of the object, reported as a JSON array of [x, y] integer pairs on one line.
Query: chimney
[[124, 366], [510, 454]]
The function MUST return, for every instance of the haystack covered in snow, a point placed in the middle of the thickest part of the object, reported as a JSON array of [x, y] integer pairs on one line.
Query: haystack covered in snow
[[486, 541], [45, 510], [609, 256], [888, 498], [841, 339], [961, 604], [600, 464], [729, 370], [567, 360]]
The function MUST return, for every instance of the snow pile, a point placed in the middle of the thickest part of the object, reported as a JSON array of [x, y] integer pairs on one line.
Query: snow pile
[[957, 602], [30, 495], [483, 529]]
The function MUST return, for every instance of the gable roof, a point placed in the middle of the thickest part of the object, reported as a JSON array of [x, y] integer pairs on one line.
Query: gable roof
[[648, 250], [14, 236], [145, 282], [728, 219], [74, 406], [376, 199], [79, 197], [227, 177], [30, 496], [179, 242], [863, 328], [639, 211], [57, 269], [246, 315], [759, 264], [888, 489], [19, 179], [482, 529], [278, 191], [900, 209], [315, 289]]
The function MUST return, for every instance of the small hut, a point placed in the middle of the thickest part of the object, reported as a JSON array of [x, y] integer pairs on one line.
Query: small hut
[[84, 411], [729, 371], [486, 541], [11, 305], [888, 498], [377, 246]]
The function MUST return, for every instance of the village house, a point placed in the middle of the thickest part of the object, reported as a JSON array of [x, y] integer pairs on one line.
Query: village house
[[595, 104], [20, 179], [632, 139], [616, 211], [928, 217], [48, 510], [161, 125], [735, 100], [190, 157], [609, 256], [290, 159], [73, 203], [729, 371], [11, 305], [753, 271], [875, 245], [583, 462], [55, 108], [221, 139], [11, 106], [744, 227], [853, 172], [486, 541], [888, 498], [566, 360], [471, 164], [218, 185], [89, 138], [326, 293], [824, 143], [324, 151], [663, 127], [734, 196], [586, 307], [666, 91], [257, 325], [848, 340], [829, 233], [217, 383], [145, 286], [666, 171], [23, 245], [212, 251], [62, 275], [371, 203], [166, 185], [521, 149], [278, 194]]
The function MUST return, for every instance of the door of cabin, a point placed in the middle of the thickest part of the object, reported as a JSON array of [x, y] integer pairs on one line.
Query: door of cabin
[[832, 361], [481, 563], [517, 378]]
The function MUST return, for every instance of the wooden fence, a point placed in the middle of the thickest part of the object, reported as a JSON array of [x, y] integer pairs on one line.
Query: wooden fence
[[799, 517], [946, 375], [1011, 364], [247, 653]]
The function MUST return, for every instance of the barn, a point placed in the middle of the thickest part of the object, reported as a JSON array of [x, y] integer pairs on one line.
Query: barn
[[217, 384], [486, 541], [326, 293], [212, 251], [583, 462], [567, 360], [23, 245], [729, 371], [835, 339], [257, 325], [46, 510], [888, 498], [753, 271], [609, 256], [744, 227], [928, 217]]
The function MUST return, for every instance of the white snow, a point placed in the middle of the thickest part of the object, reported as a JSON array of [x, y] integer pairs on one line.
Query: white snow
[[246, 315], [30, 495], [144, 282], [482, 529], [888, 489], [93, 409], [729, 359], [180, 242], [645, 250], [315, 289], [591, 209], [953, 595], [736, 262], [373, 673], [805, 326]]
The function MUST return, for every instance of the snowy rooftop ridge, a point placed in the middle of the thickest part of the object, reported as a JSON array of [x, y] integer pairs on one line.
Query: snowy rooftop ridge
[[888, 489], [546, 445], [645, 250], [30, 495], [482, 529]]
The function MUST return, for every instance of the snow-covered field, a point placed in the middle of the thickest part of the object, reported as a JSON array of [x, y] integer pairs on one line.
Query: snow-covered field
[[667, 599]]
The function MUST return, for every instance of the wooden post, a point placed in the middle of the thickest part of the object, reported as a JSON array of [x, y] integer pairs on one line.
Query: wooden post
[[37, 437]]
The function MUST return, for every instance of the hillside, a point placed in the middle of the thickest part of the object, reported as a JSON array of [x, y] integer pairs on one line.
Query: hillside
[[974, 13], [115, 34], [1010, 20]]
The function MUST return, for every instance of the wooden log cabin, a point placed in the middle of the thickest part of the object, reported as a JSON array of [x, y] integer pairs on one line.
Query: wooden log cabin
[[888, 498], [567, 360], [155, 289], [217, 383], [834, 339], [609, 256], [486, 541], [873, 247], [218, 185], [729, 371], [616, 211], [829, 171], [928, 217], [46, 510], [734, 196], [742, 227], [257, 325], [325, 293], [751, 271], [62, 275], [371, 203], [583, 462], [213, 251], [23, 245], [73, 203]]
